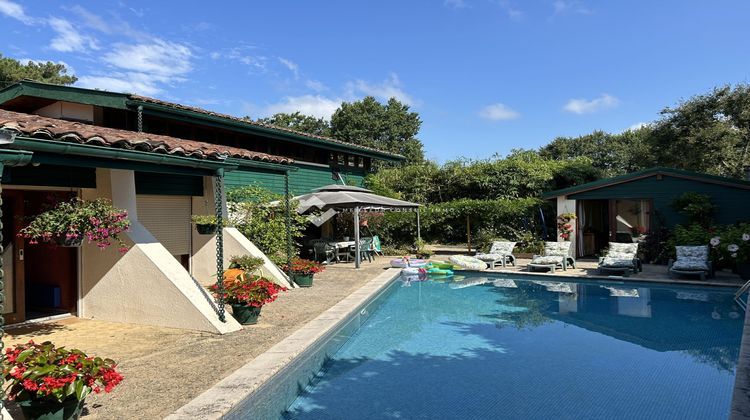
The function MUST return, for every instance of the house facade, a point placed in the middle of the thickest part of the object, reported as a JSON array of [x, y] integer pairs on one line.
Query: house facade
[[627, 207], [162, 163]]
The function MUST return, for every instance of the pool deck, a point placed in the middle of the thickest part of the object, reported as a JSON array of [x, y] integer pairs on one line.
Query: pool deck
[[155, 385]]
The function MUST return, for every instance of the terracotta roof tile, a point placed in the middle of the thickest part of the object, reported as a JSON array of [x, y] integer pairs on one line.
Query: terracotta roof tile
[[147, 99], [55, 129]]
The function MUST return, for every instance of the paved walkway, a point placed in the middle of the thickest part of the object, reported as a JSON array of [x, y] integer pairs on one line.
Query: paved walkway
[[165, 368]]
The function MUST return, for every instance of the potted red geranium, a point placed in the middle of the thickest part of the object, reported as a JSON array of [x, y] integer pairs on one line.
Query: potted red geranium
[[246, 293], [302, 271], [51, 382]]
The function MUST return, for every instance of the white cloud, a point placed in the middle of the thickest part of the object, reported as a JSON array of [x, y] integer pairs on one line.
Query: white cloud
[[68, 39], [315, 105], [513, 12], [162, 59], [588, 106], [570, 6], [122, 82], [456, 4], [498, 112], [291, 65], [315, 85], [15, 11], [389, 88], [637, 126]]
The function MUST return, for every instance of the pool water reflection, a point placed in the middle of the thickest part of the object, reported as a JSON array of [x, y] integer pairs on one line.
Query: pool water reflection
[[506, 347]]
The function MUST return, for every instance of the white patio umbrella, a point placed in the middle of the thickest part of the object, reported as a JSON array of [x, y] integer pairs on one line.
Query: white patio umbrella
[[346, 197]]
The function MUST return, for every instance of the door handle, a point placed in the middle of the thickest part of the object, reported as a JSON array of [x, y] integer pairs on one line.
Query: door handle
[[20, 254]]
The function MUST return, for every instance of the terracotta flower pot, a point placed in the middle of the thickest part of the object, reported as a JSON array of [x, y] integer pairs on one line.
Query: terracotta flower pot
[[245, 314], [51, 410]]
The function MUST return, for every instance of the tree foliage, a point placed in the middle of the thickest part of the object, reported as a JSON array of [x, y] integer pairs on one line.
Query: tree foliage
[[12, 71], [391, 127], [298, 121]]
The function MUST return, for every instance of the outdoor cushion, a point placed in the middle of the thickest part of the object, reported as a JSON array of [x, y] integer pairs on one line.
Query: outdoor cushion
[[617, 262], [690, 264], [557, 248], [548, 259], [700, 252], [490, 257], [469, 263], [623, 248], [501, 247]]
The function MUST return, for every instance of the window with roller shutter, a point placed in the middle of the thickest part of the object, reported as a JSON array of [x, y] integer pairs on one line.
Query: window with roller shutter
[[168, 219]]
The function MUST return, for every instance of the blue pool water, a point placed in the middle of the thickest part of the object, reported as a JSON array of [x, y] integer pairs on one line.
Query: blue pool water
[[493, 347]]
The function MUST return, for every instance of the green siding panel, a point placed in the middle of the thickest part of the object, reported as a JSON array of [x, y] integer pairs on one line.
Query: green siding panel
[[301, 181], [50, 176], [168, 184], [732, 202]]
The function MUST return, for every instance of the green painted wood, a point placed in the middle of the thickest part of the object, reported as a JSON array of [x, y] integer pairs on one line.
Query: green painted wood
[[168, 184], [50, 176], [302, 181], [732, 201], [64, 93]]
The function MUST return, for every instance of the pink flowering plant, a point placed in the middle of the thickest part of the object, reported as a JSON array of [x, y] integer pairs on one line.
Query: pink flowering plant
[[43, 372], [96, 221], [733, 243]]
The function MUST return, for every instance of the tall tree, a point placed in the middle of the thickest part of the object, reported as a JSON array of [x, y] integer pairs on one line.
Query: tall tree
[[391, 127], [298, 121], [706, 133], [12, 71]]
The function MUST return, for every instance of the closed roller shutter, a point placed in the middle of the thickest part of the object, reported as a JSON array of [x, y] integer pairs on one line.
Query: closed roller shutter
[[168, 219]]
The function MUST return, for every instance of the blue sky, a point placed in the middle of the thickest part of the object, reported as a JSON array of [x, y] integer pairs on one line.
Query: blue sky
[[486, 76]]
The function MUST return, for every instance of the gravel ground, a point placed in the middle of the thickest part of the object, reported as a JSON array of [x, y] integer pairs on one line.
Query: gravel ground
[[165, 368]]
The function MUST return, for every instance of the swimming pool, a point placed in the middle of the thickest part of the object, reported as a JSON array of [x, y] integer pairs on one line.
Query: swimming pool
[[517, 347]]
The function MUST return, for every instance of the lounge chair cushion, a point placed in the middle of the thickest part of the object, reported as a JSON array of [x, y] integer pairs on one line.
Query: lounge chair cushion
[[469, 263], [620, 255], [557, 248], [691, 258], [502, 248], [490, 257], [548, 259]]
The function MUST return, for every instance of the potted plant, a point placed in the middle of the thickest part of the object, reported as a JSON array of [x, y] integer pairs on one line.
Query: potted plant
[[736, 248], [51, 382], [246, 263], [302, 271], [70, 222], [246, 293], [205, 224]]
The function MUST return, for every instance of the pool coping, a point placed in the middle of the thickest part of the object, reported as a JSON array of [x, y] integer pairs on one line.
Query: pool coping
[[229, 393]]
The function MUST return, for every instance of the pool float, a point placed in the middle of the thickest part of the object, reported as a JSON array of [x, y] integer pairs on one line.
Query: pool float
[[468, 263], [408, 262], [413, 271], [442, 265], [439, 271]]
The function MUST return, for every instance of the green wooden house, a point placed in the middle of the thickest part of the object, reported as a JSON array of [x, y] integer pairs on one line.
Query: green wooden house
[[625, 208], [318, 160]]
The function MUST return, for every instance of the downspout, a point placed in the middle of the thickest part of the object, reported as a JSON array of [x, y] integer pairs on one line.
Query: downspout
[[218, 198], [288, 220], [140, 118]]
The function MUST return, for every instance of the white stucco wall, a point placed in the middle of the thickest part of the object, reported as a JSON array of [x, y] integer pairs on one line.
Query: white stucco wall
[[147, 285], [203, 263]]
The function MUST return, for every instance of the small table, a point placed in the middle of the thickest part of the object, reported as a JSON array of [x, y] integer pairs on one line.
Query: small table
[[343, 244]]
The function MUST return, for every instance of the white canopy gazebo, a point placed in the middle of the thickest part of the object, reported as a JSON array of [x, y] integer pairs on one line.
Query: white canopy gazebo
[[332, 199]]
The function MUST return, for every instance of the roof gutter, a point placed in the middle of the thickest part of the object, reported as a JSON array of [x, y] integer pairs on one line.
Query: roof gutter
[[282, 135], [254, 164], [63, 148]]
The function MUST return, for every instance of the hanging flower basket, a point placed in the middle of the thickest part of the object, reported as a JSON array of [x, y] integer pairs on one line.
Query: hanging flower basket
[[68, 242], [206, 229], [70, 222], [205, 224]]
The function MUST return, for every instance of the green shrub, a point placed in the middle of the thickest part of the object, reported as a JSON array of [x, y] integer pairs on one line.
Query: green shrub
[[251, 212], [698, 208]]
